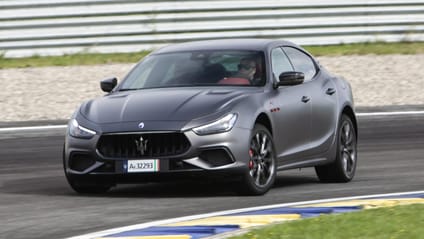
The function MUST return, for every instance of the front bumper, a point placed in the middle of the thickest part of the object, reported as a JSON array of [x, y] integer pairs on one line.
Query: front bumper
[[216, 155]]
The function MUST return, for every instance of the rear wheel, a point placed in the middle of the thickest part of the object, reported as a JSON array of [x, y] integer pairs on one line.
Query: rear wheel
[[84, 186], [262, 168], [344, 167]]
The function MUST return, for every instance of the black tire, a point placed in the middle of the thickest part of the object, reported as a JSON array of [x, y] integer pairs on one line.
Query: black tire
[[343, 168], [262, 162], [83, 186]]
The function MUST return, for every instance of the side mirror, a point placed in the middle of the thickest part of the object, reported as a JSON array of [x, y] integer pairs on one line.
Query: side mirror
[[108, 84], [291, 78]]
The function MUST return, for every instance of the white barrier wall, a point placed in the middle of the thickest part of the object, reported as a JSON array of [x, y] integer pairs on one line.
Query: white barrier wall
[[55, 27]]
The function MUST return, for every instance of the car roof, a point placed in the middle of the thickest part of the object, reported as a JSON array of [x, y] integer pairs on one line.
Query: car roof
[[224, 44]]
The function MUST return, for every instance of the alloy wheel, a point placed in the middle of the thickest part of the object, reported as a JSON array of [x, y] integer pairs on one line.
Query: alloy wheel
[[348, 148], [262, 161]]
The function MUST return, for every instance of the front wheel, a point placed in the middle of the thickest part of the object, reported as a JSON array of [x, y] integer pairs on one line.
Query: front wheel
[[344, 167], [261, 166], [84, 187]]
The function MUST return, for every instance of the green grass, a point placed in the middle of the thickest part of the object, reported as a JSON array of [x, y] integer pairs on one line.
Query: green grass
[[76, 59], [385, 223], [91, 59], [378, 48]]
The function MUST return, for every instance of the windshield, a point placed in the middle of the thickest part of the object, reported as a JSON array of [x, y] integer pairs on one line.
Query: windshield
[[199, 68]]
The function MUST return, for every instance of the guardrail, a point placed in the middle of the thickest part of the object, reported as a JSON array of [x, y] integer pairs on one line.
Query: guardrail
[[56, 27]]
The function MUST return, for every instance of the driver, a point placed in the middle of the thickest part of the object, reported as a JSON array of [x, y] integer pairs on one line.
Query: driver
[[246, 69]]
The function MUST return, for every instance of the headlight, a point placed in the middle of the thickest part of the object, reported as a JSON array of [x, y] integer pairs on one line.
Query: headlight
[[77, 131], [224, 124]]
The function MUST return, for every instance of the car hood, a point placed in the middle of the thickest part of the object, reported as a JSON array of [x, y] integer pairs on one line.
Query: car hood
[[176, 104]]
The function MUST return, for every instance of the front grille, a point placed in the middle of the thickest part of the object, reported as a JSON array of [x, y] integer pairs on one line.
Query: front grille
[[151, 145]]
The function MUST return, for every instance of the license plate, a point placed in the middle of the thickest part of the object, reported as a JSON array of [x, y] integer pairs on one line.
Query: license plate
[[141, 166]]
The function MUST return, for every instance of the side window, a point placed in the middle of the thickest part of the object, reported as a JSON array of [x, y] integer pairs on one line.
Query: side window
[[280, 62], [301, 62]]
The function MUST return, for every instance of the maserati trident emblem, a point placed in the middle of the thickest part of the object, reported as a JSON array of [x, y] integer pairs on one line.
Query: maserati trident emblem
[[141, 125], [141, 145]]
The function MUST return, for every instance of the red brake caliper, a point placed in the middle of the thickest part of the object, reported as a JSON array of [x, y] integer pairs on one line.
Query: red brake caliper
[[250, 161]]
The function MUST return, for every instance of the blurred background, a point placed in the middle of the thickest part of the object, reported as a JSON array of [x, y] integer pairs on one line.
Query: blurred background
[[54, 52]]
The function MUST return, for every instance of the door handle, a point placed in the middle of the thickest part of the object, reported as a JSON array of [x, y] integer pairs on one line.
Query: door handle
[[305, 99], [330, 91]]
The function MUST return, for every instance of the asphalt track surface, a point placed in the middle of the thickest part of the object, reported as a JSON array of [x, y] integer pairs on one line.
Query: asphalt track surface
[[36, 202]]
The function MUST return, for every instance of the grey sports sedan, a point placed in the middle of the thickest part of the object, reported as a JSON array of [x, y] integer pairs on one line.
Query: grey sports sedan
[[236, 110]]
